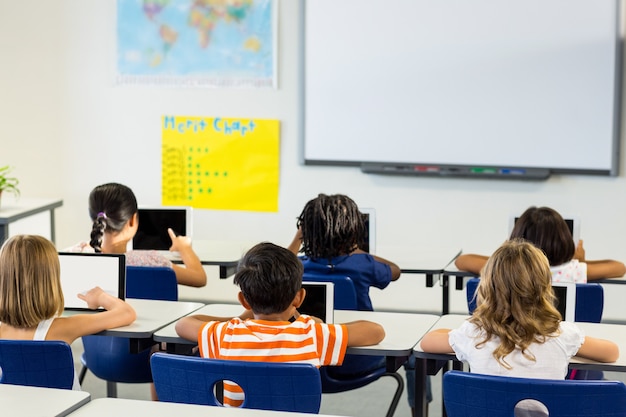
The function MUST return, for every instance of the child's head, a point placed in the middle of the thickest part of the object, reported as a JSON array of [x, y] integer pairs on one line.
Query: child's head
[[331, 226], [546, 229], [269, 278], [515, 301], [30, 281], [111, 206]]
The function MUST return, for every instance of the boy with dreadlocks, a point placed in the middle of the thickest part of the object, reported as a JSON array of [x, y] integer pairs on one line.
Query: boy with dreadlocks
[[330, 229], [330, 233]]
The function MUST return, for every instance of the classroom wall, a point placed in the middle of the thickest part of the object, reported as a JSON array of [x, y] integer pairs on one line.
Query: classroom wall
[[66, 128]]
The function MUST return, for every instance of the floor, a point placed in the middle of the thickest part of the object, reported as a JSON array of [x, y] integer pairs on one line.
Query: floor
[[372, 400]]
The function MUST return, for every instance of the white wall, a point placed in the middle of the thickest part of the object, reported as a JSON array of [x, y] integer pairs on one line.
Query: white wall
[[66, 128]]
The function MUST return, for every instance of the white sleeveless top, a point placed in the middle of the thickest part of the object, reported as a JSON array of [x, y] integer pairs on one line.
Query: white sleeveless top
[[40, 334]]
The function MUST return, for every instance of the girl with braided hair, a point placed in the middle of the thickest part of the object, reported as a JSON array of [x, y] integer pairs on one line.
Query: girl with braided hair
[[114, 212]]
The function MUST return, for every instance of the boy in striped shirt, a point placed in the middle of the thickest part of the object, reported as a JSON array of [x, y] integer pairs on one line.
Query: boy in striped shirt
[[271, 329]]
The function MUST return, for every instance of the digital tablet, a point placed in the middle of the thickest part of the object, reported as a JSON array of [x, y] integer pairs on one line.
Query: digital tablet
[[154, 222], [565, 293], [81, 272], [369, 217], [319, 300], [573, 223]]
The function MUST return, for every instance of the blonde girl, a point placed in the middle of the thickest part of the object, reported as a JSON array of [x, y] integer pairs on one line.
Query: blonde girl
[[31, 299], [515, 329]]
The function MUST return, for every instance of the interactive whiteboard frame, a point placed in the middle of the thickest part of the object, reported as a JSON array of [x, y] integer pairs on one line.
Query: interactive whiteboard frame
[[452, 106]]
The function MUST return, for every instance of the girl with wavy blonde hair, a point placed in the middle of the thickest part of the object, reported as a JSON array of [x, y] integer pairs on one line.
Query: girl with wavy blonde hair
[[515, 329]]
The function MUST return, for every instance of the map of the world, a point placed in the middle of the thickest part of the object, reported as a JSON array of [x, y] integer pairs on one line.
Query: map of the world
[[213, 43]]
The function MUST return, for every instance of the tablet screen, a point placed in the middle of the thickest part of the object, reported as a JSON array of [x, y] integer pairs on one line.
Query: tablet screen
[[319, 300], [81, 272], [154, 222]]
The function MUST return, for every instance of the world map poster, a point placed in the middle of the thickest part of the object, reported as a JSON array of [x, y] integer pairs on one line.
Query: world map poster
[[197, 43]]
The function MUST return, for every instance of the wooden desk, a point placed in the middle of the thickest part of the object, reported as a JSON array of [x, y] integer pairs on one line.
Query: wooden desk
[[152, 315], [402, 330], [24, 401], [224, 254], [106, 407], [12, 210]]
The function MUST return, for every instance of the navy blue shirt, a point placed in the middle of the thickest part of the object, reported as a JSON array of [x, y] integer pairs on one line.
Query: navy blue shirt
[[362, 268]]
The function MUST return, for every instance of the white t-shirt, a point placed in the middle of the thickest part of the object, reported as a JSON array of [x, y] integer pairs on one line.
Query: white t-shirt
[[573, 271], [551, 357]]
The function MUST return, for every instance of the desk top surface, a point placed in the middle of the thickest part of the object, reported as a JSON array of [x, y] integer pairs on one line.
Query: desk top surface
[[216, 252], [420, 258], [613, 332], [18, 400], [12, 209], [105, 407], [152, 315], [403, 330]]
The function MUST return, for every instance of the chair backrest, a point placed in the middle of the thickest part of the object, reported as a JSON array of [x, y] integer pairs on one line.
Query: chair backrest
[[151, 283], [589, 300], [467, 394], [37, 363], [266, 385], [345, 293]]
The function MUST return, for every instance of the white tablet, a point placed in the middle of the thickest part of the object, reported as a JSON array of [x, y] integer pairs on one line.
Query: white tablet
[[565, 293], [369, 215], [81, 272], [154, 222], [573, 223], [319, 300]]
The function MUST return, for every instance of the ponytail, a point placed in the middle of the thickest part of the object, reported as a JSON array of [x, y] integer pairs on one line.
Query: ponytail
[[97, 232]]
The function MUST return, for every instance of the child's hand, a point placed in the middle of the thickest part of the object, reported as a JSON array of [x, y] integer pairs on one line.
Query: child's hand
[[93, 297], [580, 251], [178, 242]]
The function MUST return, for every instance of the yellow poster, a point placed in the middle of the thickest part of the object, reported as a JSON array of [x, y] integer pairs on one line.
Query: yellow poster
[[220, 163]]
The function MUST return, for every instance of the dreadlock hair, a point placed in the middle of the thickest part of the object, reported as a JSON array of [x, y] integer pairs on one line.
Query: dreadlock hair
[[111, 206], [331, 226]]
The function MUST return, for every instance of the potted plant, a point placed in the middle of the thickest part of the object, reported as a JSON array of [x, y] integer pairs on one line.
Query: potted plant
[[7, 183]]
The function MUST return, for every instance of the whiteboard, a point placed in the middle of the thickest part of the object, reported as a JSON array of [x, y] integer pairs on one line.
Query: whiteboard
[[462, 83]]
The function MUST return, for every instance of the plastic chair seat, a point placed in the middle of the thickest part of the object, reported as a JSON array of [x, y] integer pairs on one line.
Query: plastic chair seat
[[466, 394], [36, 363], [266, 385]]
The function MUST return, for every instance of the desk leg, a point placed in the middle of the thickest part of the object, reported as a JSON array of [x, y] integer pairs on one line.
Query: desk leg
[[421, 403], [4, 232], [445, 294], [227, 271], [52, 227]]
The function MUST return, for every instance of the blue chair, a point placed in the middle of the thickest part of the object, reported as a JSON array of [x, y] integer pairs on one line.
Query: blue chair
[[333, 381], [108, 357], [466, 394], [151, 283], [266, 385], [589, 300], [36, 363]]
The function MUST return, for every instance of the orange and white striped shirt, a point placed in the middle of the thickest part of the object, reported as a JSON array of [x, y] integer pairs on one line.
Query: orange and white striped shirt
[[303, 341]]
